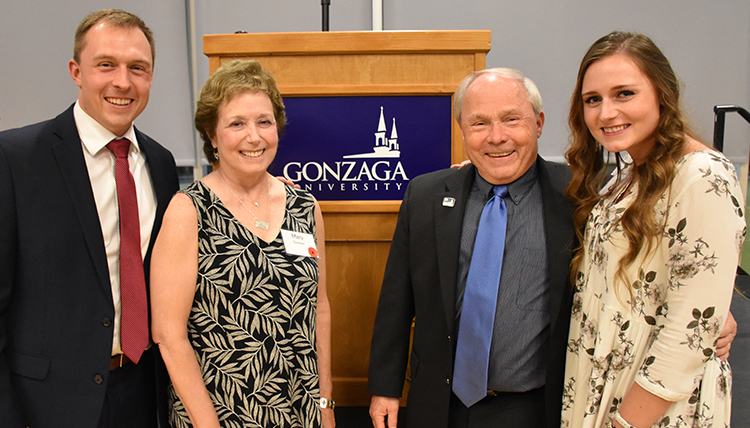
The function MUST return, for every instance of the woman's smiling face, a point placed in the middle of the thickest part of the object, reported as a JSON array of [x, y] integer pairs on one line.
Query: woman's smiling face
[[621, 106], [246, 135]]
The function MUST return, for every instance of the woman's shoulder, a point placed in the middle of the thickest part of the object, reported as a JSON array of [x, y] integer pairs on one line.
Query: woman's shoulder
[[706, 172], [181, 210], [704, 163], [194, 188], [199, 195], [294, 192]]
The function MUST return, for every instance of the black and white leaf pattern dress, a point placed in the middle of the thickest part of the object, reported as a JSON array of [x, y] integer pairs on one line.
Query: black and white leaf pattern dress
[[252, 324], [663, 336]]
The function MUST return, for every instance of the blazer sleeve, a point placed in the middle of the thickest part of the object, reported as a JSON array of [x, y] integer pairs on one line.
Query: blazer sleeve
[[390, 341], [9, 406]]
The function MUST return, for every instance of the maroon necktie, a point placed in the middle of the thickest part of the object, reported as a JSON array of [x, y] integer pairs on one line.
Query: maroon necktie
[[134, 310]]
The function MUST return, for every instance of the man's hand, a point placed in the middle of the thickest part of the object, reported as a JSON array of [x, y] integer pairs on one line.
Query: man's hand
[[289, 182], [726, 337], [462, 164], [384, 410]]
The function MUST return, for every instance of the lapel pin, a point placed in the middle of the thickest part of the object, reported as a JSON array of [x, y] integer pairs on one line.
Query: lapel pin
[[449, 202]]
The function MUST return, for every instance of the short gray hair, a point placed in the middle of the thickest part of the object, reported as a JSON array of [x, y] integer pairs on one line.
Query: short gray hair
[[535, 98]]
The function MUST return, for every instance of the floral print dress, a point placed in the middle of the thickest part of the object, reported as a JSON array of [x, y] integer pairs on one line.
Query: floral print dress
[[663, 336]]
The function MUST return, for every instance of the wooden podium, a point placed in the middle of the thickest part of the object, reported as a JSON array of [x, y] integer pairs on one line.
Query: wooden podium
[[358, 233]]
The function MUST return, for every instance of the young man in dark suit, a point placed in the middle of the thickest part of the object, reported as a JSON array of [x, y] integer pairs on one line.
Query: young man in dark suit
[[65, 357]]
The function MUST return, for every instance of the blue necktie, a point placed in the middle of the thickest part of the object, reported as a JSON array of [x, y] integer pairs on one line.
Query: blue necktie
[[480, 300]]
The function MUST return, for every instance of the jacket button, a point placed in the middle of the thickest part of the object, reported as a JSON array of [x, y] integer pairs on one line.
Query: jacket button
[[98, 379], [447, 381], [449, 338], [106, 322]]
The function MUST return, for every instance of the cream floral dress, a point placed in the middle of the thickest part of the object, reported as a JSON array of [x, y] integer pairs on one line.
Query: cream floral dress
[[664, 336]]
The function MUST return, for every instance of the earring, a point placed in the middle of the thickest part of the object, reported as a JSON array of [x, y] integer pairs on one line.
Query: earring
[[216, 153]]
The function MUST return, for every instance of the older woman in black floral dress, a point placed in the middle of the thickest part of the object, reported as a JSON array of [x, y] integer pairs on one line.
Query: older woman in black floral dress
[[240, 311]]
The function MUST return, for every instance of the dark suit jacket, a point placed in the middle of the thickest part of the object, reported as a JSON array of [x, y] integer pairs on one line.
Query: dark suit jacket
[[420, 284], [56, 307]]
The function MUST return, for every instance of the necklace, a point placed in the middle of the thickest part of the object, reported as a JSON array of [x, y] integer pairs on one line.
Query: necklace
[[258, 223]]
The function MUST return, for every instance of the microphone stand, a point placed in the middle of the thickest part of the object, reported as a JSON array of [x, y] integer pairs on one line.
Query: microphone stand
[[325, 4]]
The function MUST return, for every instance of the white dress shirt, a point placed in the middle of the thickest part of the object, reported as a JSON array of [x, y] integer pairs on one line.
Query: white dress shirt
[[100, 163]]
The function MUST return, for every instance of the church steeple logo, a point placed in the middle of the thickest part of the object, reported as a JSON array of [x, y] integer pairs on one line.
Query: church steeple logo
[[384, 147]]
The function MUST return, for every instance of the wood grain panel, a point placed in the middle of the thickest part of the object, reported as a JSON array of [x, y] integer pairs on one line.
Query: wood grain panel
[[355, 273], [346, 42]]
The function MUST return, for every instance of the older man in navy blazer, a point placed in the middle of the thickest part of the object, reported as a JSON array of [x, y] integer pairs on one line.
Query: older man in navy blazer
[[61, 361]]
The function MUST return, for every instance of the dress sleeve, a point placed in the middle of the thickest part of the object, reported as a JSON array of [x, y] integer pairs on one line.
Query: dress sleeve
[[704, 230]]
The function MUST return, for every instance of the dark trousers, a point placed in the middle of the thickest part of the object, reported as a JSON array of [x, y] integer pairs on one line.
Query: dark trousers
[[506, 410], [130, 401]]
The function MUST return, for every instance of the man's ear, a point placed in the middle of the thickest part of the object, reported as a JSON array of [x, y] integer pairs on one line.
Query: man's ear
[[75, 72], [539, 124]]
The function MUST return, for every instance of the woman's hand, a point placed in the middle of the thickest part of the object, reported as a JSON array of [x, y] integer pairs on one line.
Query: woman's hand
[[328, 418], [641, 408]]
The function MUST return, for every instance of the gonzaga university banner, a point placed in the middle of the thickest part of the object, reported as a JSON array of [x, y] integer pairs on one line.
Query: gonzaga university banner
[[363, 148]]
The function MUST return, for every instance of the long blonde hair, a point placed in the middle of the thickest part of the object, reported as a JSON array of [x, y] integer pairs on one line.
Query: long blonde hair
[[653, 177]]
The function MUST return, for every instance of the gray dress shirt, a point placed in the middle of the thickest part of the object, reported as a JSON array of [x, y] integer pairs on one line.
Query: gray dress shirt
[[517, 357]]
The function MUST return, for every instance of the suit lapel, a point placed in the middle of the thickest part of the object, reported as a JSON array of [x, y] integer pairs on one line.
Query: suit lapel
[[68, 153], [163, 186], [558, 222], [448, 209]]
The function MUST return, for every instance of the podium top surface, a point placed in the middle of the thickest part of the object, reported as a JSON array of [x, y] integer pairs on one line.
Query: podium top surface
[[332, 42]]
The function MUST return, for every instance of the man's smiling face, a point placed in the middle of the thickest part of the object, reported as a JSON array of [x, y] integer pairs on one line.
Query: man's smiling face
[[114, 75], [500, 129]]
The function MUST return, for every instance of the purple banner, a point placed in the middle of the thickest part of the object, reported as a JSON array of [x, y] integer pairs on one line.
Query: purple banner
[[363, 148]]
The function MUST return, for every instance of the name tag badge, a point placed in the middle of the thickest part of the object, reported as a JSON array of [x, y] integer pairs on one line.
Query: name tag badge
[[299, 244]]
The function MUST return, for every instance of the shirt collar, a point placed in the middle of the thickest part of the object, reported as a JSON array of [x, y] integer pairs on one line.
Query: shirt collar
[[516, 190], [94, 135]]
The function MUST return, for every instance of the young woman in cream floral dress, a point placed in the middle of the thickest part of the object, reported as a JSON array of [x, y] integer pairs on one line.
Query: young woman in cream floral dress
[[659, 249]]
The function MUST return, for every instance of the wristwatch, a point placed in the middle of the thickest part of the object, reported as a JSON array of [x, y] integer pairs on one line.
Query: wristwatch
[[325, 403]]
